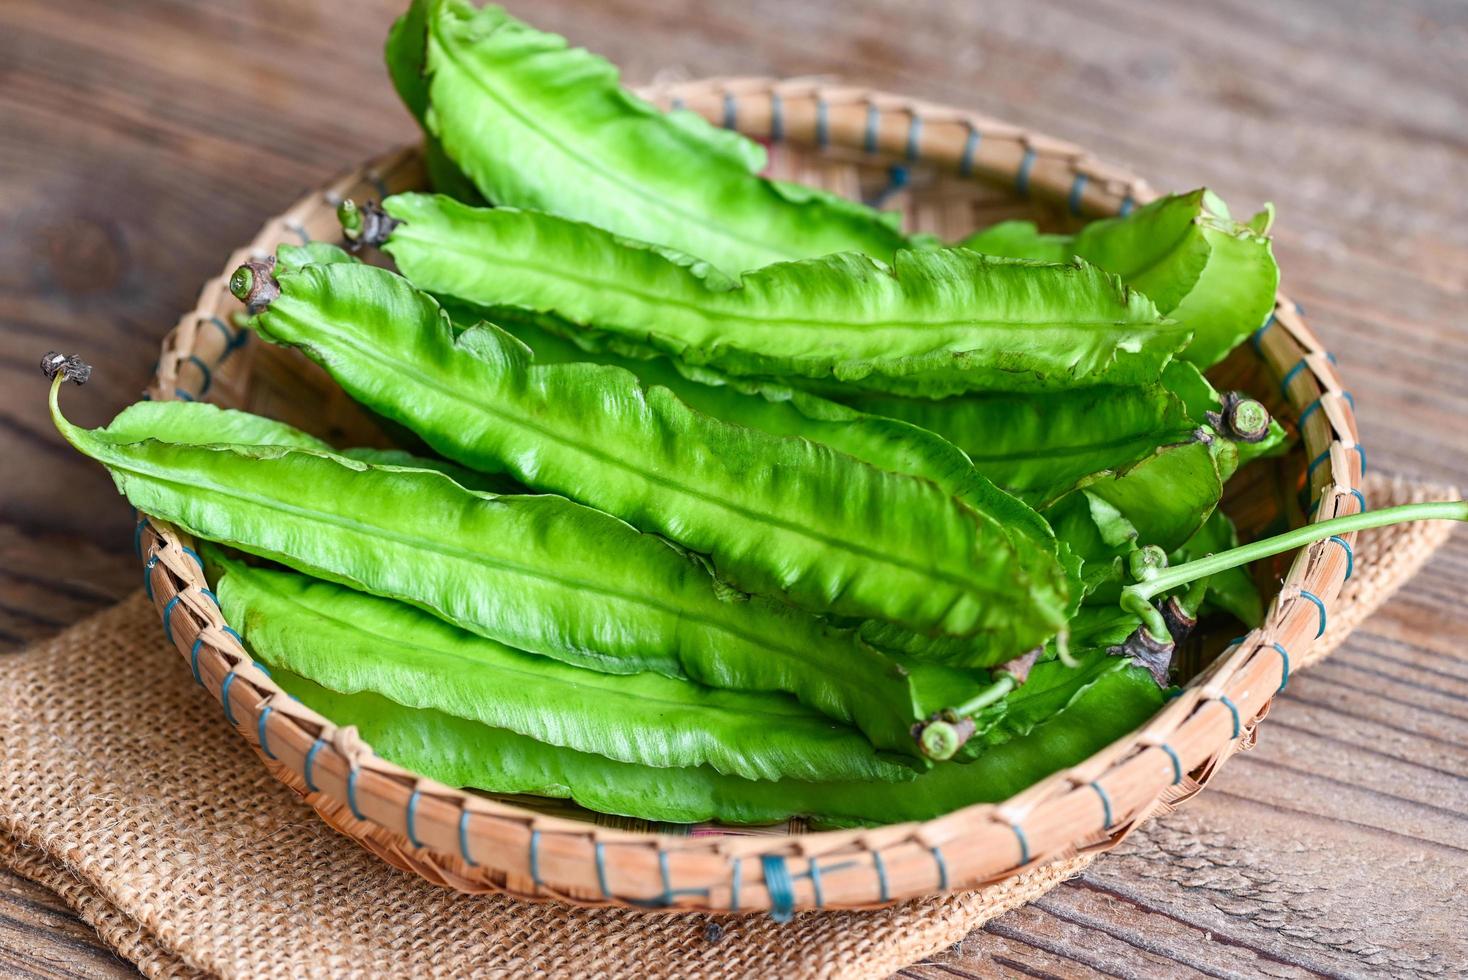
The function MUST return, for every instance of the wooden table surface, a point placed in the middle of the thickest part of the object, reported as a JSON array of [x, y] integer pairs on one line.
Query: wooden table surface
[[140, 142]]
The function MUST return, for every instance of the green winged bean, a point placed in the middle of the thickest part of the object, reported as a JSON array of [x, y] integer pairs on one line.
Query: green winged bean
[[1211, 274], [459, 752], [777, 515], [539, 573], [780, 410], [936, 323], [351, 642], [1040, 447], [534, 123]]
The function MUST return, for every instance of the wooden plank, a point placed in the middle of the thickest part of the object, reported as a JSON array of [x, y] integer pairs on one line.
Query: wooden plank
[[142, 142], [41, 937]]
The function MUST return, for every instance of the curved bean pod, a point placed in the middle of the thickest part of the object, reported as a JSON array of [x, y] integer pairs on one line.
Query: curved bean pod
[[778, 516], [539, 573], [465, 753], [936, 323], [1039, 447], [537, 124], [1211, 274], [352, 642], [778, 409]]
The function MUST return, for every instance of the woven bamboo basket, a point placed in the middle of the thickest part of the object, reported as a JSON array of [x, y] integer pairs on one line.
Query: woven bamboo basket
[[949, 171]]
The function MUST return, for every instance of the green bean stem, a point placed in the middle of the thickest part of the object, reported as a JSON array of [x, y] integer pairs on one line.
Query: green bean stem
[[1138, 598]]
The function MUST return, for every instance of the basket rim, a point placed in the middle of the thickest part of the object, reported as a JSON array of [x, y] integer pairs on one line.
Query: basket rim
[[476, 844]]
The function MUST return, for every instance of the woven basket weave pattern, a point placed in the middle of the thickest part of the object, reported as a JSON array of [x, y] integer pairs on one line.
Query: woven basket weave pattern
[[949, 171]]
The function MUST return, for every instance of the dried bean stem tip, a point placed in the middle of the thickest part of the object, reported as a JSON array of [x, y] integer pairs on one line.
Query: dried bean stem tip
[[368, 224], [254, 284], [71, 367]]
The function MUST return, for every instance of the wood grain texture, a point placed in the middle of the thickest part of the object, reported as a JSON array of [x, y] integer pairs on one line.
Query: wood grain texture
[[140, 142]]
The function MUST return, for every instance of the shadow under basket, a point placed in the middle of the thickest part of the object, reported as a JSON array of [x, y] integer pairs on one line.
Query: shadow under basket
[[948, 171]]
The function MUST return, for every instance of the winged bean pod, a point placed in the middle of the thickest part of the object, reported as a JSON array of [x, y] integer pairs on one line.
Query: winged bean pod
[[936, 323], [779, 516], [459, 752], [1040, 446], [351, 642], [1213, 275], [538, 573], [778, 409], [537, 124]]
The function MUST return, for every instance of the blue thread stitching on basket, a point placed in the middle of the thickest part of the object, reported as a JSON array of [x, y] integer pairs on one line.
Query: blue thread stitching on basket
[[777, 117], [412, 819], [1315, 464], [1077, 189], [780, 887], [823, 123], [260, 732], [138, 537], [970, 147], [195, 556], [815, 881], [167, 615], [204, 371], [881, 868], [352, 774], [208, 594], [232, 339], [311, 764], [1177, 763], [874, 118], [224, 698], [601, 869], [535, 857], [735, 882], [1257, 340], [194, 660], [1105, 803], [896, 180], [1350, 555], [667, 897], [262, 668], [1360, 500], [914, 135], [1127, 203], [942, 868], [464, 839], [1306, 594], [1284, 656], [1022, 179], [182, 395], [1024, 844], [230, 630], [1233, 710], [731, 111], [1290, 375]]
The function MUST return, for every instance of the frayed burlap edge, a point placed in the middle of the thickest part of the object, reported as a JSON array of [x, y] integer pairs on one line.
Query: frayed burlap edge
[[90, 839]]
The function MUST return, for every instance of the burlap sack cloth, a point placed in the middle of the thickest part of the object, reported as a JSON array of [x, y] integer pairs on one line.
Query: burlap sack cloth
[[122, 789]]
